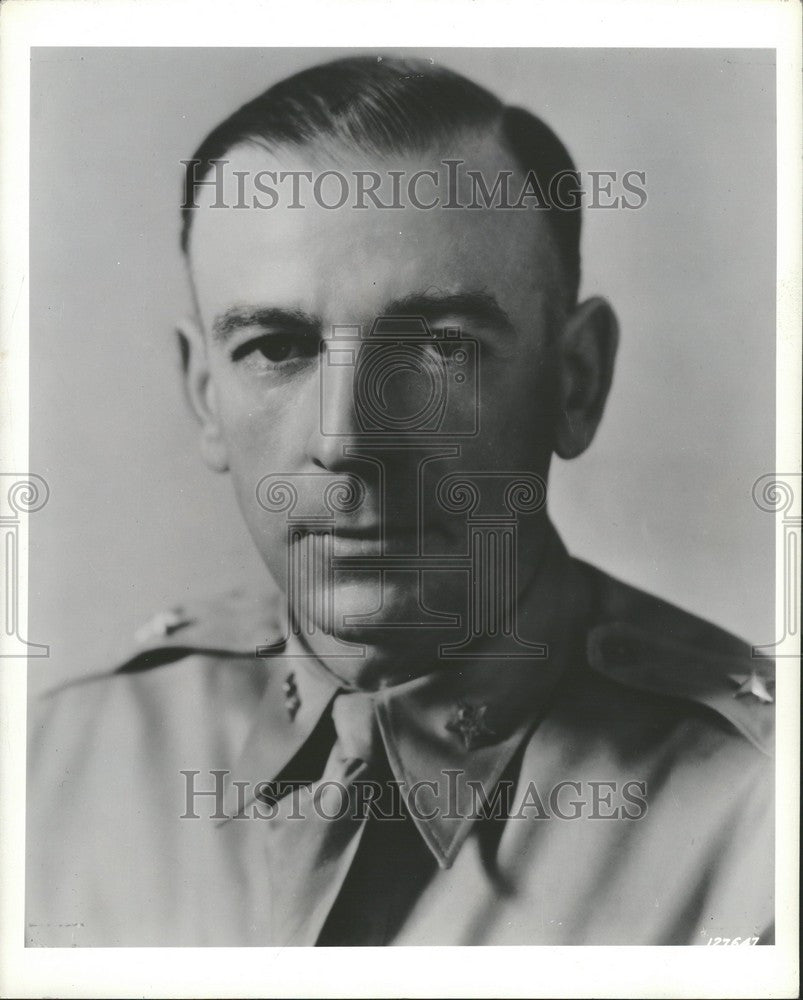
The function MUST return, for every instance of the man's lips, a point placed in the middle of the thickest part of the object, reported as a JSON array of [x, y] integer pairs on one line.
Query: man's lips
[[370, 530], [373, 531], [372, 537]]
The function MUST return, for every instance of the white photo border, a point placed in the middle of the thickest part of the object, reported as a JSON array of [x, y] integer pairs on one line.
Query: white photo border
[[521, 971]]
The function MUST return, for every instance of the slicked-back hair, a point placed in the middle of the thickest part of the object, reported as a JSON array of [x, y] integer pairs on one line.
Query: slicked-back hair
[[389, 105]]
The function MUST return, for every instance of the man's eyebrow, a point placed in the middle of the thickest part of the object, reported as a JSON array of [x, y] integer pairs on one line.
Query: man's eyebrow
[[480, 306], [239, 317]]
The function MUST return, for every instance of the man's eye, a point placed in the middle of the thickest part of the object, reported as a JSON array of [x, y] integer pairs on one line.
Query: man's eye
[[274, 349]]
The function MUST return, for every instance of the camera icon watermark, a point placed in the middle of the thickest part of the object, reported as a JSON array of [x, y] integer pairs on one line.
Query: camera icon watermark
[[399, 401], [400, 378]]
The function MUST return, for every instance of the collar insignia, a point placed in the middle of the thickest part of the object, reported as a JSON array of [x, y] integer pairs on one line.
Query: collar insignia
[[292, 700], [469, 722]]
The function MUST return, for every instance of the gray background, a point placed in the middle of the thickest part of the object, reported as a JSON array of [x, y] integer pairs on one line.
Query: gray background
[[135, 522]]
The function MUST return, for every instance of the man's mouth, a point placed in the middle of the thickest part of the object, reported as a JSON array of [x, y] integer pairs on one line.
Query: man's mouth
[[375, 537], [372, 539], [375, 531]]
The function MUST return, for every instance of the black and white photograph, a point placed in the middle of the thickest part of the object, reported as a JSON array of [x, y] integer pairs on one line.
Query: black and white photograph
[[407, 546]]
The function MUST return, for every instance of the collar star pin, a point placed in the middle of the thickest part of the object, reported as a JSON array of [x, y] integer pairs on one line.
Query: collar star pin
[[469, 723], [754, 684], [292, 701]]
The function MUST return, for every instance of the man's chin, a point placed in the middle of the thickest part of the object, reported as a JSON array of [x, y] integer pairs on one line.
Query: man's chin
[[397, 636], [385, 657]]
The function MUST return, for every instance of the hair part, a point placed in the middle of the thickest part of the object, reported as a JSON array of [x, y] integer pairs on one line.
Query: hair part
[[388, 105]]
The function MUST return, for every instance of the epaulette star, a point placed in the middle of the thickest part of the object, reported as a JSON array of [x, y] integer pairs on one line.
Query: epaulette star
[[163, 624], [754, 684]]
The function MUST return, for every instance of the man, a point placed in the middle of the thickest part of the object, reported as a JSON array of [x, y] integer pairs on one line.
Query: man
[[436, 727]]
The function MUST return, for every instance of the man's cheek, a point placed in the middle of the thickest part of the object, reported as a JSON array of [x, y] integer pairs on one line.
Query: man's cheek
[[267, 529], [261, 422], [258, 441]]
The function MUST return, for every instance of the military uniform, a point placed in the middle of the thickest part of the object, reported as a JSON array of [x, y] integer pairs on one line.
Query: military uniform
[[635, 761]]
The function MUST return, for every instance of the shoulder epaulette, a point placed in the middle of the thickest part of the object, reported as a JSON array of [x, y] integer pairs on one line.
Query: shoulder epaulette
[[738, 688], [237, 623]]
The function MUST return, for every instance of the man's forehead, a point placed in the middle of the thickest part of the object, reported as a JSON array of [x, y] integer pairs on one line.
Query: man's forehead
[[477, 149], [392, 243]]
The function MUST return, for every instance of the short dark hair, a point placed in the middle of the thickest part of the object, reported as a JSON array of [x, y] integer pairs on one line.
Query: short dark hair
[[389, 105]]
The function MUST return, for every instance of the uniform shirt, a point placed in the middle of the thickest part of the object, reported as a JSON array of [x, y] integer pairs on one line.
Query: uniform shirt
[[617, 791]]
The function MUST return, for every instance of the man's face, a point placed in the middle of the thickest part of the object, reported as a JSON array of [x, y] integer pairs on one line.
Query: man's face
[[271, 285]]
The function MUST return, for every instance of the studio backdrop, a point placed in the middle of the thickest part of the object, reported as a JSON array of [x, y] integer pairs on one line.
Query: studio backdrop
[[135, 522]]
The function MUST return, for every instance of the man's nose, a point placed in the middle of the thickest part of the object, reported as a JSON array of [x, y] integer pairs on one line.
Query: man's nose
[[332, 413]]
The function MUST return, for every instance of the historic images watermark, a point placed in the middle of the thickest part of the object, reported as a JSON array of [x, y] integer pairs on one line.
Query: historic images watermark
[[450, 795], [20, 493], [779, 494], [398, 435], [452, 186]]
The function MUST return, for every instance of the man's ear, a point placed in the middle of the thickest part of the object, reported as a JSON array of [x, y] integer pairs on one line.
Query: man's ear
[[199, 392], [587, 352]]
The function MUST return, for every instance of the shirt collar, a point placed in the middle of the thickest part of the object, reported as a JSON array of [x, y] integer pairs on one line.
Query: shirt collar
[[445, 731]]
